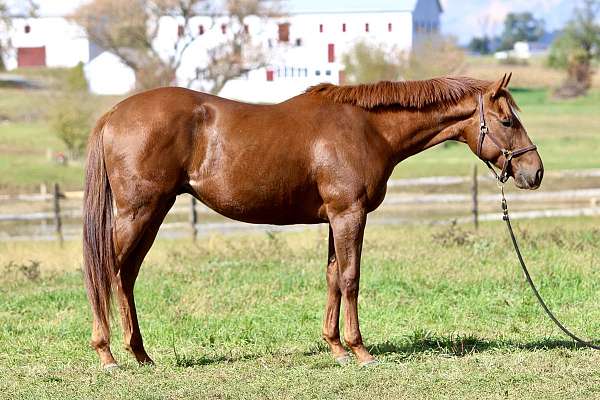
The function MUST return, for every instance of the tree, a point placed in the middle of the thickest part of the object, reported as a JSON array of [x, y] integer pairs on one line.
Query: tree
[[5, 25], [130, 29], [576, 49], [435, 55], [367, 62], [520, 27], [72, 111], [480, 45]]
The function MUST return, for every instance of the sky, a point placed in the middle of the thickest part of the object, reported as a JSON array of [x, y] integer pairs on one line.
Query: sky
[[461, 18], [468, 18]]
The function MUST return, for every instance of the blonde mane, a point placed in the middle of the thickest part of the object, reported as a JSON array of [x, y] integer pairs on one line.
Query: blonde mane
[[409, 94]]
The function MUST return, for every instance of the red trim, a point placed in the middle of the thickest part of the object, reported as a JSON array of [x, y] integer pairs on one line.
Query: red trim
[[331, 52]]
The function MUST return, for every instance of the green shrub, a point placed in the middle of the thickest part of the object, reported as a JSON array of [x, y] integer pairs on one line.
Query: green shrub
[[71, 120], [71, 114]]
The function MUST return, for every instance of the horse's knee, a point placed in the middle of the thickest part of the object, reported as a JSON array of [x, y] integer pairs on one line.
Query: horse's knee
[[349, 285], [99, 343]]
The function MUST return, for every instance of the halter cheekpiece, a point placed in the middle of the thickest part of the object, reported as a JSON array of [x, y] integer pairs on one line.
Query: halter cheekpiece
[[508, 154]]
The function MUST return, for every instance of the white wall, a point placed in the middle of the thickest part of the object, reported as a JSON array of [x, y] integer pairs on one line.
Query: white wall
[[107, 75], [65, 42]]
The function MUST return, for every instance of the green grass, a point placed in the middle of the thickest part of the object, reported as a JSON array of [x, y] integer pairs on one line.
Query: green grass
[[28, 144], [240, 317]]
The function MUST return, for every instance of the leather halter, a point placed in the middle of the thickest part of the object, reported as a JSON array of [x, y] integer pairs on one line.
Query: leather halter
[[508, 154]]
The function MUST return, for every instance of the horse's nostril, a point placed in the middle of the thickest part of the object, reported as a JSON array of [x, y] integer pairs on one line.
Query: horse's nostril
[[539, 175]]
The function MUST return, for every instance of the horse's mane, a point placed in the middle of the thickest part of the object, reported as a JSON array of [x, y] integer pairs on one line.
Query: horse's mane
[[410, 94]]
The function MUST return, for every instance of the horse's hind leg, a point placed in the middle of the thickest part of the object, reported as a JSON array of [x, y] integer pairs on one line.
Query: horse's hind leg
[[331, 327], [134, 239]]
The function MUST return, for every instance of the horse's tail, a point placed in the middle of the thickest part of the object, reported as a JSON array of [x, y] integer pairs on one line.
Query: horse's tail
[[98, 248]]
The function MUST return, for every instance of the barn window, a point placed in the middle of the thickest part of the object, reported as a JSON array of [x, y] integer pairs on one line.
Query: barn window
[[321, 28], [27, 28], [284, 32], [389, 27], [223, 28], [298, 42], [270, 75], [330, 52], [328, 73], [344, 27], [200, 29], [318, 73], [367, 27]]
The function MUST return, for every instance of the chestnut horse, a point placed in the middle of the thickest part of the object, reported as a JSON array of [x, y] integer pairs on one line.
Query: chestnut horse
[[321, 157]]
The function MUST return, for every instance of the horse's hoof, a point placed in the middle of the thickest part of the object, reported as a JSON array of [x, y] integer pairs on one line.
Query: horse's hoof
[[110, 367], [371, 363], [147, 363], [343, 360]]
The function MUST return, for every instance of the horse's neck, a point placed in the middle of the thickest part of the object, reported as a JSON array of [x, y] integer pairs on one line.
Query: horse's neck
[[411, 131]]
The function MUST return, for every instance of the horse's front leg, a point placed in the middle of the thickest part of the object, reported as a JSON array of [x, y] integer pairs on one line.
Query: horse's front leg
[[348, 229]]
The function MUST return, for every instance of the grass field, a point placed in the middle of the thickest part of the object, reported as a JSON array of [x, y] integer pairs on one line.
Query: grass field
[[445, 310]]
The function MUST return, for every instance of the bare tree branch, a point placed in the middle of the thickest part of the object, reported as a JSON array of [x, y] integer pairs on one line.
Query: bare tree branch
[[130, 30]]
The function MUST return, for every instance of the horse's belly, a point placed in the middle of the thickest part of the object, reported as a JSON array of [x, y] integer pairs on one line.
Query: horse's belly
[[262, 204]]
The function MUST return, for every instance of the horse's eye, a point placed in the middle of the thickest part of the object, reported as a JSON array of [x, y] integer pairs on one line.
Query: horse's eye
[[507, 122]]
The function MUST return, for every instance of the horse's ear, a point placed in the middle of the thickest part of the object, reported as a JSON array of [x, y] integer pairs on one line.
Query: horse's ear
[[498, 86], [508, 80]]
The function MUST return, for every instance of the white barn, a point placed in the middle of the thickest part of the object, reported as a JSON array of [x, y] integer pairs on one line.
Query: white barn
[[308, 44], [46, 42]]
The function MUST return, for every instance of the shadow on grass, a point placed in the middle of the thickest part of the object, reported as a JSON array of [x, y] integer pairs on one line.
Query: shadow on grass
[[462, 345], [187, 361], [420, 342]]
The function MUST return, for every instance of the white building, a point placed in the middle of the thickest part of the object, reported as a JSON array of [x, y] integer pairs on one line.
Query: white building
[[305, 47], [47, 42]]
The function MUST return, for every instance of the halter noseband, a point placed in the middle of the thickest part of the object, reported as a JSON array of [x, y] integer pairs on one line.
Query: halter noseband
[[508, 154]]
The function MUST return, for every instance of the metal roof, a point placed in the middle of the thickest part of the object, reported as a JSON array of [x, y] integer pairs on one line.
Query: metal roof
[[320, 6]]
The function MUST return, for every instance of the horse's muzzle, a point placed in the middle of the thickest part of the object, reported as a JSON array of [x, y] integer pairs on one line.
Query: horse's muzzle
[[527, 180]]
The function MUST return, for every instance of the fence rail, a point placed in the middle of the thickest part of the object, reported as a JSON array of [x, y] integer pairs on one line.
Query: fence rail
[[471, 198]]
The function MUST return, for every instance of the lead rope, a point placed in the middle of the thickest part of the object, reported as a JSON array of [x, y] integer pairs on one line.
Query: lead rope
[[567, 332]]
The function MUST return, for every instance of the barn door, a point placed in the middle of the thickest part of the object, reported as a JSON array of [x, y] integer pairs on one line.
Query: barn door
[[31, 56]]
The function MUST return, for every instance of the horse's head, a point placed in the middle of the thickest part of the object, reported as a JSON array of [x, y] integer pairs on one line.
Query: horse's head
[[500, 138]]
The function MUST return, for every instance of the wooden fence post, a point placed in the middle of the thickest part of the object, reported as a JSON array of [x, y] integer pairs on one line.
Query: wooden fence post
[[57, 218], [474, 190], [193, 218]]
